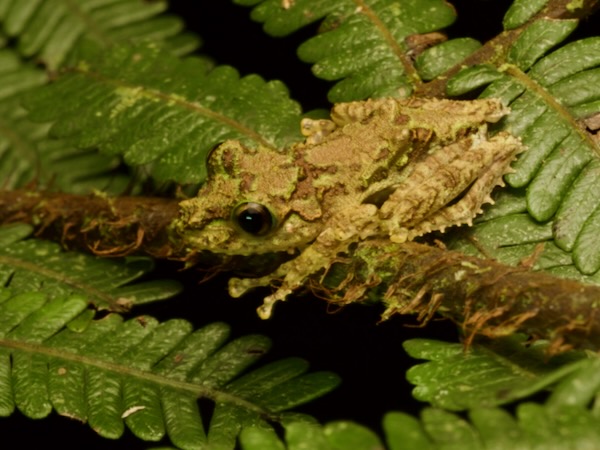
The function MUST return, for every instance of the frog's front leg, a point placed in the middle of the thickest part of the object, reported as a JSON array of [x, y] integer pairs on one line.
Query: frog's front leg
[[352, 224]]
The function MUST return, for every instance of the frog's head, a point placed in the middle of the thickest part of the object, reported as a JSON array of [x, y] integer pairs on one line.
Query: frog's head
[[252, 203]]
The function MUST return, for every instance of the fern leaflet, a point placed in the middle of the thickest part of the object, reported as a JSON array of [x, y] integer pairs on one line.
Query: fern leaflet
[[53, 29], [27, 155], [500, 372], [521, 11], [30, 264]]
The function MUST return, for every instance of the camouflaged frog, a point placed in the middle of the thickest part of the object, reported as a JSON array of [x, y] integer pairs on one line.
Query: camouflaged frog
[[386, 168]]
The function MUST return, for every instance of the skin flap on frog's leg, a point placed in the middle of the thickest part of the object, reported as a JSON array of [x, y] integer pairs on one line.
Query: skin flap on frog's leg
[[447, 119], [505, 148]]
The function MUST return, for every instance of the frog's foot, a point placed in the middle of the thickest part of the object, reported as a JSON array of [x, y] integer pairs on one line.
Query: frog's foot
[[462, 176], [291, 276], [352, 225], [239, 286], [264, 311]]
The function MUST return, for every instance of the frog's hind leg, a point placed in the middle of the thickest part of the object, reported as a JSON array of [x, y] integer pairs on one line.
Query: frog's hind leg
[[467, 205]]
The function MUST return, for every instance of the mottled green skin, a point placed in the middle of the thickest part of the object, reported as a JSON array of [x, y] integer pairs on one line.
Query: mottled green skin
[[379, 169]]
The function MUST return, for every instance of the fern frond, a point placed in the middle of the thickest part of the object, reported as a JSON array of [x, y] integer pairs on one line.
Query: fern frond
[[27, 156], [363, 43], [32, 264], [306, 434], [566, 419], [484, 376], [141, 373], [51, 30], [152, 108], [550, 96]]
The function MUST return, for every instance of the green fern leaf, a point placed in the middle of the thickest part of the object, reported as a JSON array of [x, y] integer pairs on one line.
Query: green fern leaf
[[404, 431], [140, 373], [521, 11], [53, 29], [259, 438], [564, 420], [549, 96], [28, 156], [343, 434], [338, 435], [537, 39], [16, 77], [51, 164], [31, 264], [440, 58], [484, 376], [153, 108], [363, 43]]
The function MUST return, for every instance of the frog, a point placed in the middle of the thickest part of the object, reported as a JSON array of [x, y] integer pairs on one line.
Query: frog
[[388, 168]]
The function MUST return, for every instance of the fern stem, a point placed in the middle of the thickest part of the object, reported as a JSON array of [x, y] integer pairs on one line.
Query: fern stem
[[118, 226], [400, 53], [495, 50]]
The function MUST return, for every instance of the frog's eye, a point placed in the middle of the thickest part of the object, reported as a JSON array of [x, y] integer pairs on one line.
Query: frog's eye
[[253, 218]]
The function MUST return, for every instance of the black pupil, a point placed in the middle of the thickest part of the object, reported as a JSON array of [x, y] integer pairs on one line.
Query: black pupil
[[254, 218]]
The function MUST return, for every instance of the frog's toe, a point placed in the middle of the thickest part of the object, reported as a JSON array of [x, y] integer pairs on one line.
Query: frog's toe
[[399, 235], [239, 286], [265, 310]]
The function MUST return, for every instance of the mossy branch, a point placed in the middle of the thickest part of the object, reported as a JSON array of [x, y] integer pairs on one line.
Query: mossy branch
[[107, 226], [483, 296]]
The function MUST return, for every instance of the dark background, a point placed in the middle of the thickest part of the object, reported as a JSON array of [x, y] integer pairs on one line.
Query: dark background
[[367, 355]]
